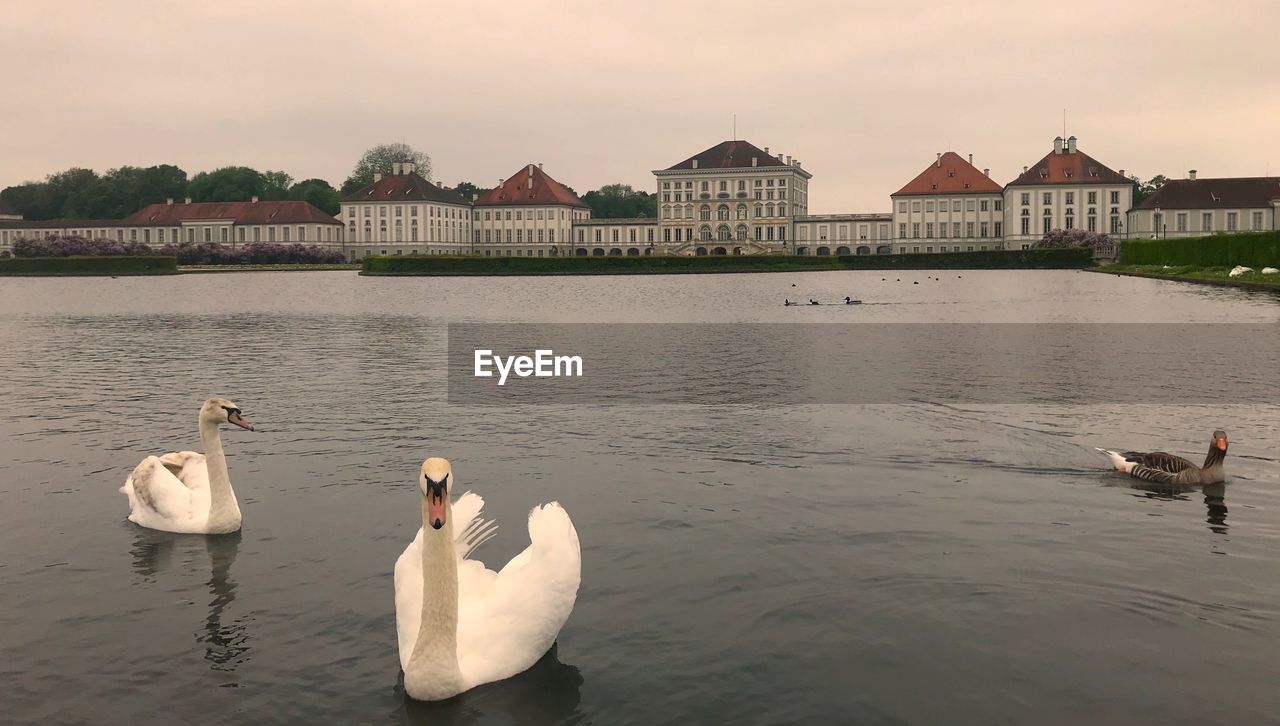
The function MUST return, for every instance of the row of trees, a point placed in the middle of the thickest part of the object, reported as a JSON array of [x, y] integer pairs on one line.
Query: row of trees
[[79, 193]]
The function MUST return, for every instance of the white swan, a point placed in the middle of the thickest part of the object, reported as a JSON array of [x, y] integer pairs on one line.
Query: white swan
[[463, 625], [185, 491]]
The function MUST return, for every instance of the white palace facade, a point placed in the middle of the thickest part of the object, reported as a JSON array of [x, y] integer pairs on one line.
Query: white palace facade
[[734, 198]]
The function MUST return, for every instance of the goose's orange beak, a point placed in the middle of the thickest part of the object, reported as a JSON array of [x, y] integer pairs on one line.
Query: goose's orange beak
[[1222, 444]]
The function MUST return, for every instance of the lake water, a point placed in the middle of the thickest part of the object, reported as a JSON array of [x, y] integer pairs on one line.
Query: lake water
[[911, 564]]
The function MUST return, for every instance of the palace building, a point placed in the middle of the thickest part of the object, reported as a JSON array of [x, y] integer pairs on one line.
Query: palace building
[[529, 214], [230, 223], [949, 207], [404, 213], [1067, 189], [1193, 207], [733, 198]]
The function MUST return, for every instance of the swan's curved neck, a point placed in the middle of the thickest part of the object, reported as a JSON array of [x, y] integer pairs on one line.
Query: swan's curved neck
[[432, 673], [223, 512]]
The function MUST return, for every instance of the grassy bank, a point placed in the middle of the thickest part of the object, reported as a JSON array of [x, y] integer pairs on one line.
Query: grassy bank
[[1203, 275], [470, 265], [89, 266], [1251, 249]]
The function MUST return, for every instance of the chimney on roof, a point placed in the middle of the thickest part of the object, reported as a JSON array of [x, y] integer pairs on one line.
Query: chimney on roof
[[970, 159], [695, 163], [1122, 172], [1071, 145], [187, 201], [986, 172], [395, 168], [1024, 170], [408, 167], [253, 199], [1057, 145], [169, 201], [539, 166], [766, 149], [377, 177], [938, 163], [788, 159], [531, 171], [779, 157], [1191, 175]]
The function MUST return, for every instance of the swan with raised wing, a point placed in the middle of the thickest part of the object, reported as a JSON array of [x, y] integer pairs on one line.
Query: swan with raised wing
[[460, 625], [1163, 468], [187, 492]]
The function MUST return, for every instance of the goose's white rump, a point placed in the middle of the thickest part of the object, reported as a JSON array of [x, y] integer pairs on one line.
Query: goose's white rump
[[505, 620]]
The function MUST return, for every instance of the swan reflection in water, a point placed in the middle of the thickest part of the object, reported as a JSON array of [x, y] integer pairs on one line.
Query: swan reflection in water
[[1214, 500], [547, 693], [225, 644]]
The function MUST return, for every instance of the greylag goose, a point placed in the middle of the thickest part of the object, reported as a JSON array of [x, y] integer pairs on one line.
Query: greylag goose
[[1163, 468]]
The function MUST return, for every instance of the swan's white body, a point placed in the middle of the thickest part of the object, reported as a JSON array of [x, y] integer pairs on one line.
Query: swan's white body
[[184, 491], [464, 625]]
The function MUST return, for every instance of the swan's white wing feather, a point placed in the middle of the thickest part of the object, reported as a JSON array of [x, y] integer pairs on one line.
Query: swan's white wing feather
[[473, 578], [160, 500], [189, 467], [524, 606], [408, 578]]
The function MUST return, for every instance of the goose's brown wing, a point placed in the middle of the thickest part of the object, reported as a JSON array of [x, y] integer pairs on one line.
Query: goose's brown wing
[[1160, 461], [1158, 476]]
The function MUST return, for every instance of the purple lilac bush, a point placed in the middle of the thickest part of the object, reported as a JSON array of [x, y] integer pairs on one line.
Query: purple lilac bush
[[1060, 238], [187, 254]]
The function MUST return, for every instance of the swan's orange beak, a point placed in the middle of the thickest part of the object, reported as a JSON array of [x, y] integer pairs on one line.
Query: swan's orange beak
[[1222, 444], [437, 497], [235, 418]]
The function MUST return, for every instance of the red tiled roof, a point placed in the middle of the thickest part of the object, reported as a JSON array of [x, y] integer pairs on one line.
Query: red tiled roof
[[1227, 193], [730, 155], [530, 186], [950, 174], [411, 187], [282, 212], [1069, 167]]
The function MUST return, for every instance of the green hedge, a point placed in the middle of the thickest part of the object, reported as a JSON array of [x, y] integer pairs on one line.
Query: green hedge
[[472, 265], [148, 265], [1255, 249]]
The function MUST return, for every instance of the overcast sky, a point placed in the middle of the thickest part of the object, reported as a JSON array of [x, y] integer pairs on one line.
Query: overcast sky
[[864, 94]]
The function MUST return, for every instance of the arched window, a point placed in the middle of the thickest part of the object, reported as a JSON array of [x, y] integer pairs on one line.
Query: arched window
[[759, 210], [704, 213], [722, 213], [705, 233], [742, 233], [742, 211], [723, 234]]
